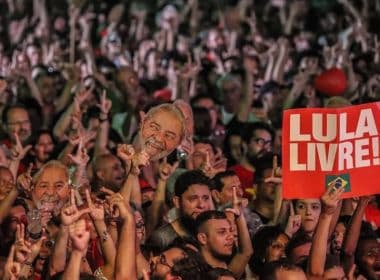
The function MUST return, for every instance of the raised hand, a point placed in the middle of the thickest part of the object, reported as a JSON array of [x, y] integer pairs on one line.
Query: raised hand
[[21, 66], [18, 151], [80, 236], [22, 247], [330, 199], [96, 209], [125, 153], [166, 169], [276, 172], [139, 160], [211, 167], [81, 157], [80, 97], [234, 212], [80, 133], [220, 161], [35, 247], [71, 214], [12, 268], [119, 208], [207, 167], [24, 181], [294, 222], [190, 70], [105, 104]]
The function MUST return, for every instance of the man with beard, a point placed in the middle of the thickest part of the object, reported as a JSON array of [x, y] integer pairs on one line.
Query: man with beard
[[216, 238], [191, 196], [108, 172], [257, 141]]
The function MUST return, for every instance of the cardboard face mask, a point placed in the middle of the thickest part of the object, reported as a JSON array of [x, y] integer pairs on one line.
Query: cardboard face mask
[[161, 131]]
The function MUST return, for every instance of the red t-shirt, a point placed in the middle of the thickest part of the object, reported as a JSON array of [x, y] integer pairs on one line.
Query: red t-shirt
[[372, 214]]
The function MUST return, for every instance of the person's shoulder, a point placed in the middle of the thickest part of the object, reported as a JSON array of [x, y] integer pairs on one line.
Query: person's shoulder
[[165, 230], [163, 236], [239, 168]]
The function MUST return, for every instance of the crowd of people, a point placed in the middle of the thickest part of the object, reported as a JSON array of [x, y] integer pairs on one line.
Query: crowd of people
[[142, 139]]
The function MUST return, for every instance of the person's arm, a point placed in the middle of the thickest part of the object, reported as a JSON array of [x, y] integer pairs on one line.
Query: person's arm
[[245, 250], [74, 14], [64, 155], [131, 188], [80, 236], [293, 12], [318, 251], [155, 212], [279, 67], [69, 215], [102, 132], [187, 77], [24, 70], [125, 263], [64, 98], [58, 258], [270, 63], [139, 34], [12, 268], [353, 232], [64, 121], [78, 136], [248, 94], [18, 152], [34, 251], [299, 85], [132, 183], [80, 159], [351, 9], [335, 218], [294, 222], [72, 270], [106, 242]]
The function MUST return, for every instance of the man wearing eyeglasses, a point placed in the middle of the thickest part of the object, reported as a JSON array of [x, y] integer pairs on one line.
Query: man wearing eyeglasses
[[257, 141]]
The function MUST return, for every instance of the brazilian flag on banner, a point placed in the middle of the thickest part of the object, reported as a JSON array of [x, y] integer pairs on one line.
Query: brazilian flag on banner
[[338, 181]]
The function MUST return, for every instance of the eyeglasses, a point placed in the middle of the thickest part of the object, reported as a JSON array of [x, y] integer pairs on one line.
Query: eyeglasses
[[161, 259], [262, 141]]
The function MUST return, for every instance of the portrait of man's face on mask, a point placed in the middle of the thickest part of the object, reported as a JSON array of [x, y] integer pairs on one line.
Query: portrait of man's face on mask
[[51, 188], [162, 130]]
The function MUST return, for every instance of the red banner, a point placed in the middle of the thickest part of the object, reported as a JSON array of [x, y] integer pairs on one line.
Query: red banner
[[331, 146]]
